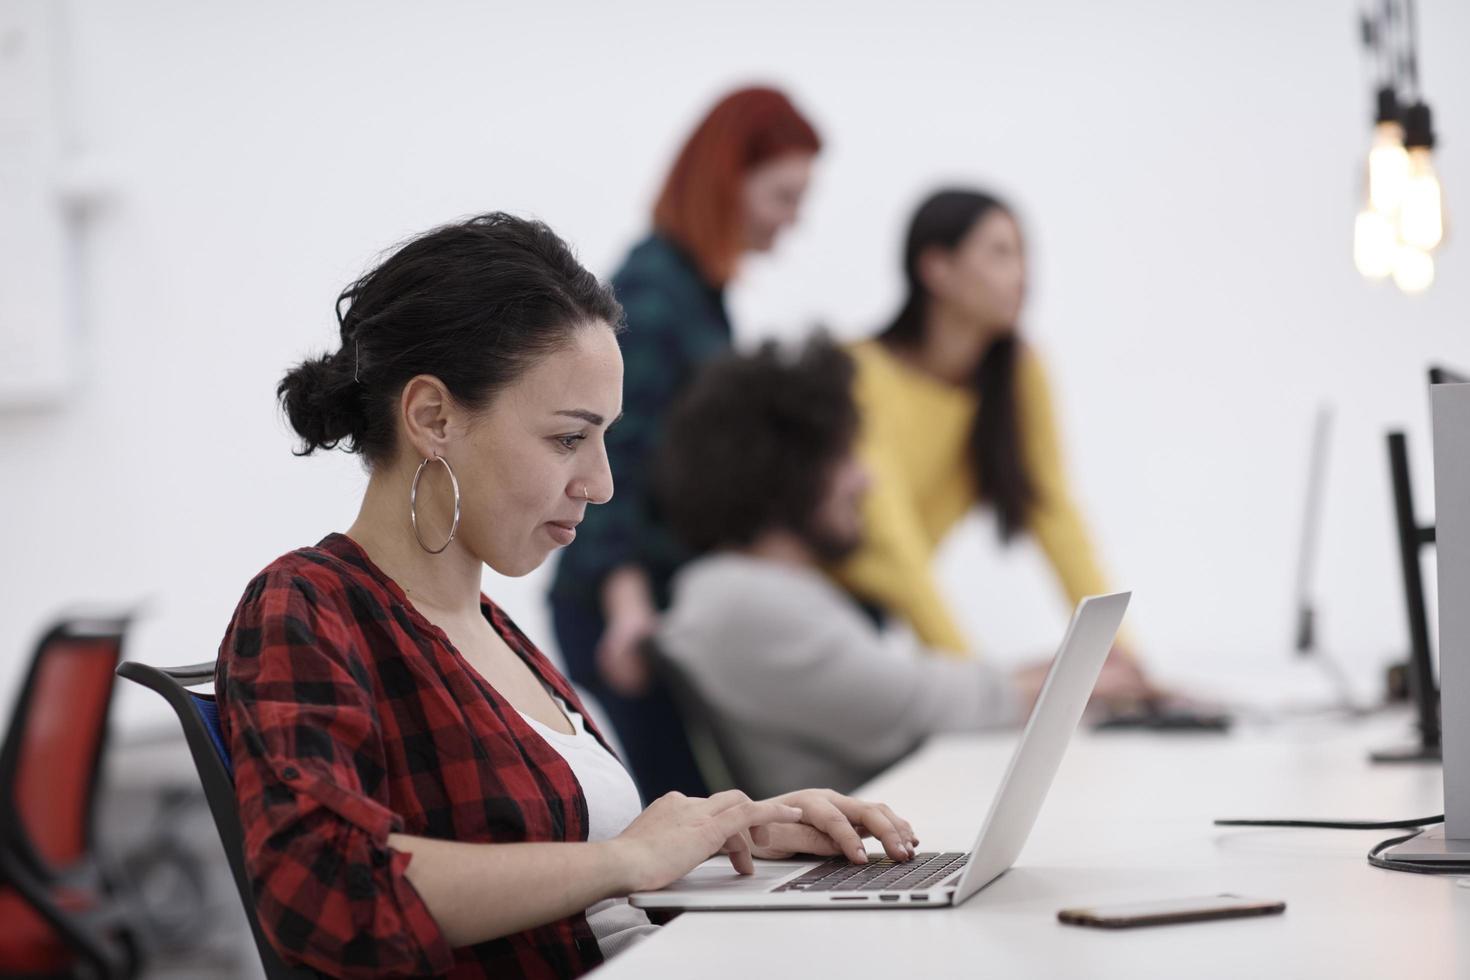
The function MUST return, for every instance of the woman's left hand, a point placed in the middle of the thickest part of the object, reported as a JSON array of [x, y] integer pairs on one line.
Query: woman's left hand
[[835, 824]]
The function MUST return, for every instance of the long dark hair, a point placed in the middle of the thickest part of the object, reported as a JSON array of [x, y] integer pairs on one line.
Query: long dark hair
[[998, 463], [474, 304]]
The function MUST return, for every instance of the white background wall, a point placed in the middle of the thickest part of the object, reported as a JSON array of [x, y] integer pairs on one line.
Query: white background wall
[[1187, 174]]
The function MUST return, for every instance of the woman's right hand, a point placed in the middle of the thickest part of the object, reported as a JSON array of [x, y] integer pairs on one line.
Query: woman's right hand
[[677, 833], [631, 618], [620, 658]]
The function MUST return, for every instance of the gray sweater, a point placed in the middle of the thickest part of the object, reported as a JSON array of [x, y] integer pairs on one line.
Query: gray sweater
[[801, 686]]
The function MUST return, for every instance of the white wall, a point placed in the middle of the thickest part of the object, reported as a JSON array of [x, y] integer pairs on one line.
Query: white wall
[[1188, 175]]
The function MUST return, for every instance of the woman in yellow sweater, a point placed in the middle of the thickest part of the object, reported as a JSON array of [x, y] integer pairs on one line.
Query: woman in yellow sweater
[[956, 411]]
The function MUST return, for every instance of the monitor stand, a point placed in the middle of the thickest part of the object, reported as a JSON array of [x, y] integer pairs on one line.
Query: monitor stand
[[1432, 845], [1409, 753]]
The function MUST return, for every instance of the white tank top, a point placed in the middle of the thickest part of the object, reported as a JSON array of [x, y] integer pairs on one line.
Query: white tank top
[[612, 804]]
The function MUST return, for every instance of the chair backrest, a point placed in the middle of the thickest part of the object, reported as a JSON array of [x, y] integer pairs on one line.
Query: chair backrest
[[712, 755], [208, 709], [199, 716], [52, 754]]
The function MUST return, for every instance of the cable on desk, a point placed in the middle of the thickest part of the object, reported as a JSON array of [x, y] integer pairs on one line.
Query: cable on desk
[[1411, 865], [1388, 864], [1338, 824]]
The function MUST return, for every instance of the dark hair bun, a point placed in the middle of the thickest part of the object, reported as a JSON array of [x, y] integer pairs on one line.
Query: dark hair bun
[[322, 403], [474, 304]]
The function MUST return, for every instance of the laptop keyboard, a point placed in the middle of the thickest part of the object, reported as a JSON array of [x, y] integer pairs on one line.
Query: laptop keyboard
[[924, 870]]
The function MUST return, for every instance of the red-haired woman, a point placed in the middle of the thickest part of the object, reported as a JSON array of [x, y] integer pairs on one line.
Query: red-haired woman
[[737, 182]]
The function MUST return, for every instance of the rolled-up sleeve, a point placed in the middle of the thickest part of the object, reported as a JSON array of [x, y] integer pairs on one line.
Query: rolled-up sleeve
[[303, 731]]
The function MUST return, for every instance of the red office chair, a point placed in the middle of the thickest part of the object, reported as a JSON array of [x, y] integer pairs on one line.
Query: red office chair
[[60, 914]]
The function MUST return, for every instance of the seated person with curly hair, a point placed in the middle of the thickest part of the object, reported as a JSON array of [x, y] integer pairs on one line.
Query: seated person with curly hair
[[759, 473]]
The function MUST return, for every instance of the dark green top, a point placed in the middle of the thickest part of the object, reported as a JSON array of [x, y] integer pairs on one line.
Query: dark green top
[[676, 321]]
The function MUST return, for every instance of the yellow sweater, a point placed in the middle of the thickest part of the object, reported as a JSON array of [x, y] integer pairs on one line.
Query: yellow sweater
[[915, 440]]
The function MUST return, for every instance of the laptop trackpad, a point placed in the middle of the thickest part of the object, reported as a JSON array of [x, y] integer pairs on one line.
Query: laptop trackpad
[[716, 874]]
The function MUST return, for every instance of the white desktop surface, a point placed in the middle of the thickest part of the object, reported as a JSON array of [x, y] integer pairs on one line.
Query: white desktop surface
[[1128, 819]]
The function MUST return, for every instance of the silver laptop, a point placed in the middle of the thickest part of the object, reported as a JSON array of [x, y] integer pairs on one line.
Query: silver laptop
[[932, 879]]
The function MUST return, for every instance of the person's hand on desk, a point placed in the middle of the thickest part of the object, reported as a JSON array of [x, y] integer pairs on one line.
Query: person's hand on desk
[[1121, 682], [835, 824], [1126, 681], [676, 833]]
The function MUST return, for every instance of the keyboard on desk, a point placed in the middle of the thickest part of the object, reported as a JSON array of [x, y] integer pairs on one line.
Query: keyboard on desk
[[924, 870]]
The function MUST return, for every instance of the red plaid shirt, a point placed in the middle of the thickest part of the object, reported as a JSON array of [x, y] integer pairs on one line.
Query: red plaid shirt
[[349, 716]]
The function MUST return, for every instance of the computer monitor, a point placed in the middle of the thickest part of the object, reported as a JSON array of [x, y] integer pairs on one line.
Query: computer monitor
[[1450, 405], [1306, 605], [1412, 538], [1306, 613]]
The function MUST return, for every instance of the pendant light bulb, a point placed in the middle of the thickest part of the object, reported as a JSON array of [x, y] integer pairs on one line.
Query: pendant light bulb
[[1388, 167], [1413, 269], [1388, 162], [1374, 244], [1421, 214]]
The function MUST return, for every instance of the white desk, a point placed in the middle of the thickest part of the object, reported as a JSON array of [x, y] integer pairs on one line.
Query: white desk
[[1128, 819]]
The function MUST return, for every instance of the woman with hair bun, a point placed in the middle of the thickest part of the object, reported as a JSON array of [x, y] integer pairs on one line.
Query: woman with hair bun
[[422, 794], [736, 184]]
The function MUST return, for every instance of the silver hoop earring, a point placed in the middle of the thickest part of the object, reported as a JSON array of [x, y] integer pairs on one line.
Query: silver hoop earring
[[413, 500]]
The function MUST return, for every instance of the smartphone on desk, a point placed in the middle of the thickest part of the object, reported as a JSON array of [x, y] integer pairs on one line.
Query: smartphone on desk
[[1134, 914]]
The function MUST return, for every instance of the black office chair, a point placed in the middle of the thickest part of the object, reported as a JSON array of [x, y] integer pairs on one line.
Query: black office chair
[[199, 716], [62, 910], [711, 751]]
